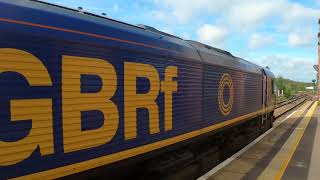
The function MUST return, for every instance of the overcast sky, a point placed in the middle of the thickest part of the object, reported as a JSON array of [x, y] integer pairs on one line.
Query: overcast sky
[[281, 34]]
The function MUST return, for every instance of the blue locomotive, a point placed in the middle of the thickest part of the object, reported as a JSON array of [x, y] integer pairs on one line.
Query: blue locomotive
[[82, 93]]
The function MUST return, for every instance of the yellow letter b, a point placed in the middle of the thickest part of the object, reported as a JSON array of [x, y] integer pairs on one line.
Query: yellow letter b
[[74, 102]]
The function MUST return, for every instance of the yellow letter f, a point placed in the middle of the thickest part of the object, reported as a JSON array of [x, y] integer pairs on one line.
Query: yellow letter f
[[168, 86]]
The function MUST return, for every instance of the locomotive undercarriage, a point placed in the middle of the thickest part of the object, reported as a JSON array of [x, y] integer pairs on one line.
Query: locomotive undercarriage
[[186, 160]]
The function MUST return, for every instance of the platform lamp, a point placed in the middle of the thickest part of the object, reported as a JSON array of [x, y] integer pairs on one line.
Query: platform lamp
[[318, 74], [316, 67], [314, 86]]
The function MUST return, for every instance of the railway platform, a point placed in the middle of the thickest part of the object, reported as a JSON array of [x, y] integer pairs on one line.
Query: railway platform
[[290, 150]]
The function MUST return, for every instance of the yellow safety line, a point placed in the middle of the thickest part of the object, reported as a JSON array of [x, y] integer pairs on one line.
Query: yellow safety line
[[297, 141], [277, 166]]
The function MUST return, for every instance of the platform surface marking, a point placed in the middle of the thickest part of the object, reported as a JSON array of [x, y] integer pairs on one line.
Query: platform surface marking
[[279, 163]]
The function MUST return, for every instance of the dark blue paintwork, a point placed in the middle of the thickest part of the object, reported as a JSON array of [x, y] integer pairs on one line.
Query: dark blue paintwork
[[195, 105]]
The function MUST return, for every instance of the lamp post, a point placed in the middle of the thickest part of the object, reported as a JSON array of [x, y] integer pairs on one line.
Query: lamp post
[[318, 75], [314, 86]]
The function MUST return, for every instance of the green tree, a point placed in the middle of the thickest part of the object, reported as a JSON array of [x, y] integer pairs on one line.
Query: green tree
[[290, 87]]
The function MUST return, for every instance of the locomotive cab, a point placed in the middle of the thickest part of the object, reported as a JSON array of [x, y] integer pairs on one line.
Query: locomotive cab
[[268, 95]]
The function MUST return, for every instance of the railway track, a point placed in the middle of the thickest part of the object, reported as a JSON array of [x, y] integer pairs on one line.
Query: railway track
[[288, 101], [285, 106]]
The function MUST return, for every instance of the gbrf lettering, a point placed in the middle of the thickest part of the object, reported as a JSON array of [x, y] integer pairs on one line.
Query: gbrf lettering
[[39, 111]]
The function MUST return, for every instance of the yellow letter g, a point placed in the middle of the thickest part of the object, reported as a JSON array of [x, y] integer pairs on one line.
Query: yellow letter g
[[38, 110]]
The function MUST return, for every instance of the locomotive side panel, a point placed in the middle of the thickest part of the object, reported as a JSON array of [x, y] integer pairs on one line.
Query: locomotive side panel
[[90, 102], [70, 95], [230, 94], [78, 92]]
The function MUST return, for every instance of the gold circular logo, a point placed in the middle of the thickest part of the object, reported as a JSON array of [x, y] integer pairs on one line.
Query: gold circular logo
[[225, 80]]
